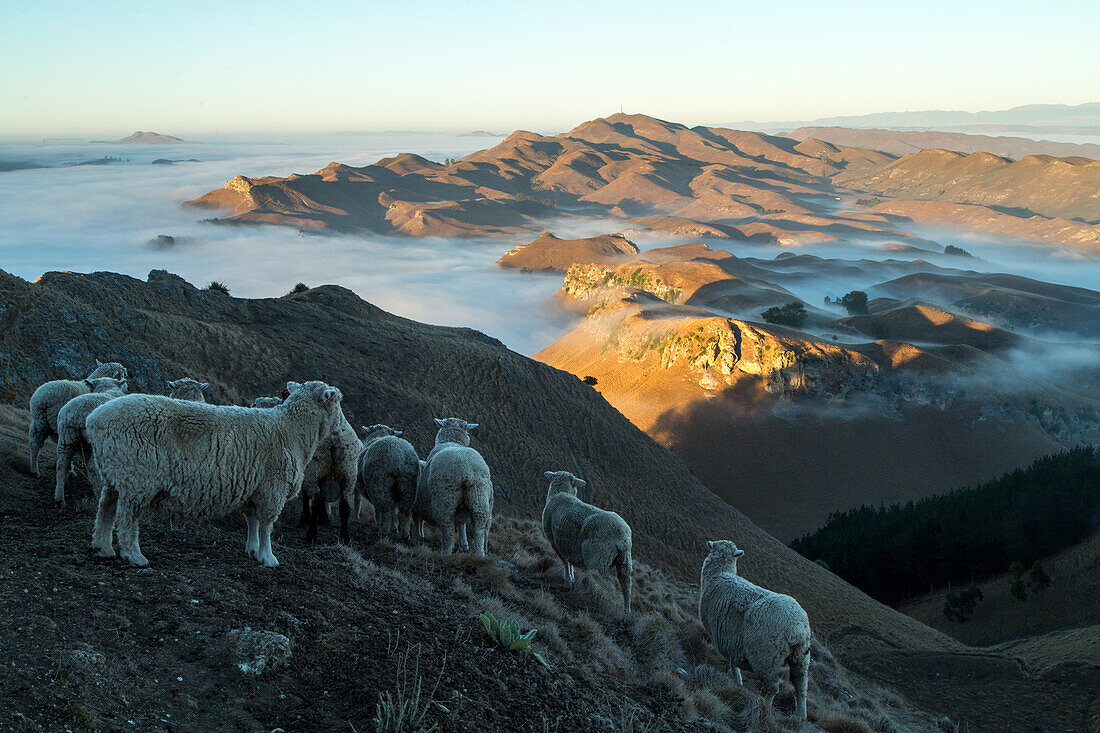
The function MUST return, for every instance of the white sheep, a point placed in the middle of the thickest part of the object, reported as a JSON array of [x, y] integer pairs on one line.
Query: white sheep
[[265, 402], [70, 429], [331, 476], [199, 461], [187, 389], [584, 535], [49, 398], [389, 470], [754, 626], [455, 488]]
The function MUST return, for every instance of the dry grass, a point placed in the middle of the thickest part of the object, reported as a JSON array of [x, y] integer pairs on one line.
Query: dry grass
[[661, 648]]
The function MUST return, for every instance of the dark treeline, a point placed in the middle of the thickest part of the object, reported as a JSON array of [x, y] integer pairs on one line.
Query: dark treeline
[[893, 553]]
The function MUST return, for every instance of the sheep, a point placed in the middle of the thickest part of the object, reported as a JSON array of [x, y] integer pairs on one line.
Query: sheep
[[584, 535], [330, 476], [455, 488], [265, 402], [754, 626], [188, 459], [70, 429], [49, 398], [187, 389], [389, 471]]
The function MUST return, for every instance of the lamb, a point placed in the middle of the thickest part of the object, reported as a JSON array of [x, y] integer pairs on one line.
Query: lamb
[[330, 476], [49, 398], [455, 488], [754, 626], [389, 471], [584, 535], [70, 428], [187, 389], [188, 459]]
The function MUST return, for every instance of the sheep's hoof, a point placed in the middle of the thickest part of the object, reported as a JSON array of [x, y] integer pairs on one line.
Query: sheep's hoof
[[345, 538], [137, 560], [105, 551], [268, 561], [463, 548]]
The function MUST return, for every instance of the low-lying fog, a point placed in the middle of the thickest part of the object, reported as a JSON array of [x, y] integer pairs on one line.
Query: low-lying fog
[[102, 217]]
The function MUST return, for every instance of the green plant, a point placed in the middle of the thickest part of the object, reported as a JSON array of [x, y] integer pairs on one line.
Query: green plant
[[506, 633], [403, 714], [1039, 578], [868, 202], [959, 605], [299, 288], [855, 302], [218, 287], [792, 314]]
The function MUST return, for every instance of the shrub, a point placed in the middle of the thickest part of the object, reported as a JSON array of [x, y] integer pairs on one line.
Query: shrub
[[792, 314], [868, 202], [855, 302], [956, 251], [1039, 578], [590, 380], [507, 634], [959, 605], [216, 286], [299, 288]]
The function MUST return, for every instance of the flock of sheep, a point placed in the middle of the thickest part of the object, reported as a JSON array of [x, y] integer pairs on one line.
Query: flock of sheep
[[179, 457]]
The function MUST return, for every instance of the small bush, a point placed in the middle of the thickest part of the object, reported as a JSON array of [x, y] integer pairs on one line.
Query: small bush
[[216, 286], [299, 288], [590, 380], [956, 251], [507, 634], [855, 302], [868, 202], [1039, 578], [792, 314]]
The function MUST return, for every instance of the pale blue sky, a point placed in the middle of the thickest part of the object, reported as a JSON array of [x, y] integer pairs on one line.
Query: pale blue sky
[[199, 67]]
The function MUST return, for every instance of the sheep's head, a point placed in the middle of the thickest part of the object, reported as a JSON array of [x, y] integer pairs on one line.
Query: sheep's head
[[453, 430], [187, 389], [266, 402], [723, 554], [321, 395], [564, 482], [111, 369], [374, 432], [106, 384]]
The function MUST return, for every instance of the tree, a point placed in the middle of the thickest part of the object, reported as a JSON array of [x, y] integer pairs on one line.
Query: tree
[[299, 288], [959, 605], [1039, 578], [218, 287], [792, 314], [855, 302]]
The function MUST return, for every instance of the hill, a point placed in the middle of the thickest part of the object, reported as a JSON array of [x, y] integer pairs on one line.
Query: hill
[[548, 252], [151, 138], [1067, 188], [903, 142]]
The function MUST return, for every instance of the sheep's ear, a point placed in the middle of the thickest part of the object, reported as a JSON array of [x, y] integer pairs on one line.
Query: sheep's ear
[[398, 433], [90, 383], [204, 385], [330, 396], [471, 425], [580, 482], [98, 363], [440, 421], [293, 386], [710, 544], [738, 553], [365, 429], [122, 384], [549, 475]]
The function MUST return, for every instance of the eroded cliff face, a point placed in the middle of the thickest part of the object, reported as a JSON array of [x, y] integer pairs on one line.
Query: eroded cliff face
[[717, 351]]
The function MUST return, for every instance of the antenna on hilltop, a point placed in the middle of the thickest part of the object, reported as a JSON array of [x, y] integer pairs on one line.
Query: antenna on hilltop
[[620, 107]]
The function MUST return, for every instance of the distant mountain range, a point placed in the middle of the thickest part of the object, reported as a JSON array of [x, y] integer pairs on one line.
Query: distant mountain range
[[146, 138], [1030, 115]]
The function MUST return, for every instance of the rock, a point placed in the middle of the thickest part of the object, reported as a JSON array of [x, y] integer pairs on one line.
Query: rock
[[254, 651]]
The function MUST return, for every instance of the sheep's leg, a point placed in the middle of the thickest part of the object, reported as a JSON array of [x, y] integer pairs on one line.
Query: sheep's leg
[[319, 510], [463, 542], [264, 555], [36, 438], [252, 543], [345, 516], [625, 568], [105, 522], [736, 672], [64, 463], [303, 521], [768, 666], [800, 675], [447, 530], [127, 529], [406, 525]]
